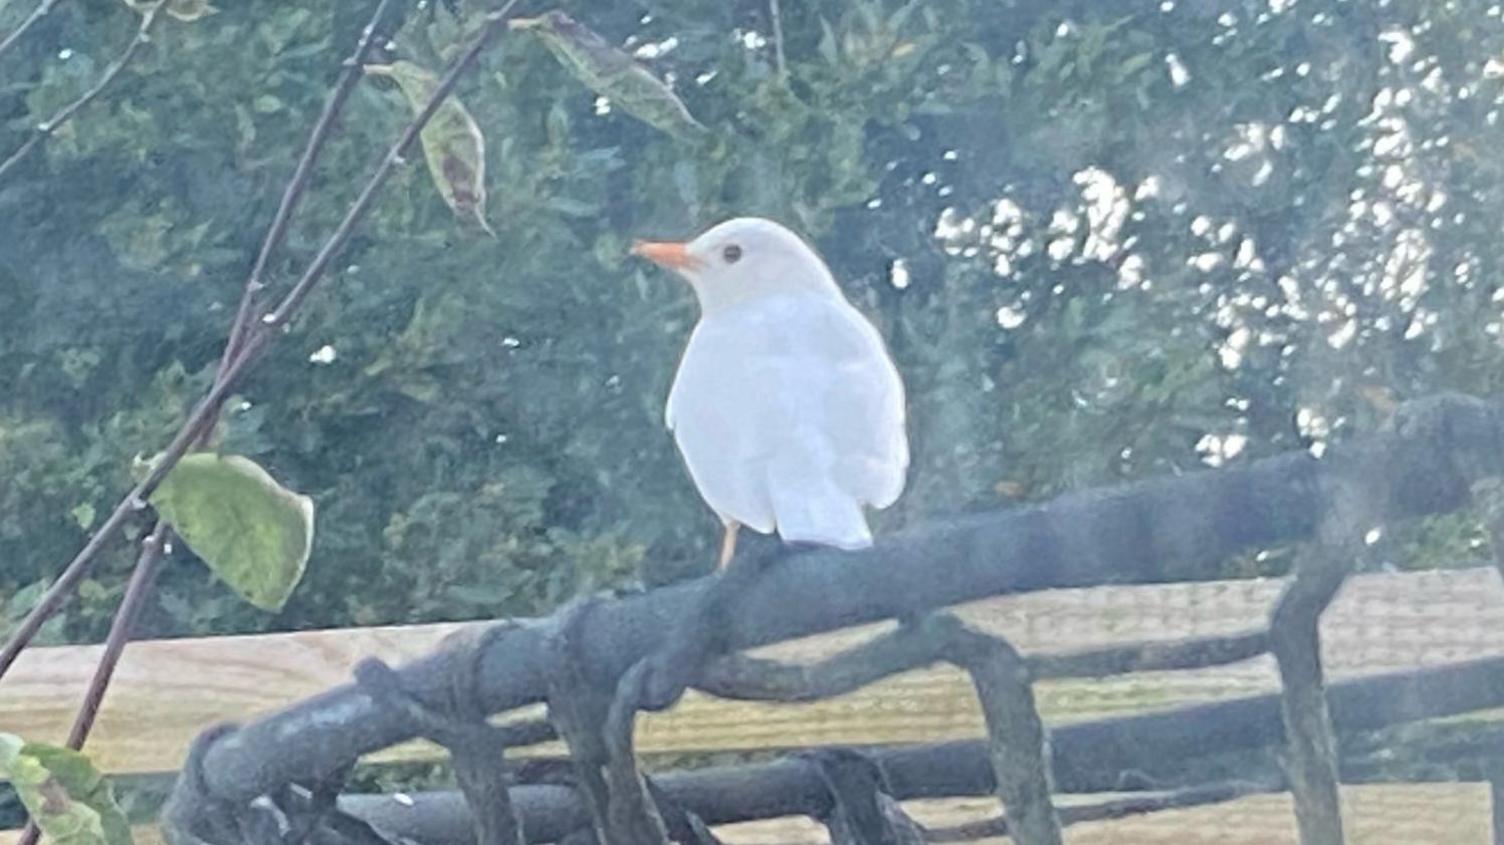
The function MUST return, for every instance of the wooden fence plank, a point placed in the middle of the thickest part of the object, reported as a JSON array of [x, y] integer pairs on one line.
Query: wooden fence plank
[[165, 691], [142, 835], [1399, 814]]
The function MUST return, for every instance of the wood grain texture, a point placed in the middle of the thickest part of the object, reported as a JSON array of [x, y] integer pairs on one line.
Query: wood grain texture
[[1411, 814], [1454, 814], [141, 834], [166, 691]]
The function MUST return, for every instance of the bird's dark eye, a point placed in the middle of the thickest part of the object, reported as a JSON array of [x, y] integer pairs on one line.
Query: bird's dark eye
[[732, 253]]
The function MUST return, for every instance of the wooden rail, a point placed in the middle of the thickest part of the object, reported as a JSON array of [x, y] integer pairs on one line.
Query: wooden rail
[[1410, 814], [165, 691]]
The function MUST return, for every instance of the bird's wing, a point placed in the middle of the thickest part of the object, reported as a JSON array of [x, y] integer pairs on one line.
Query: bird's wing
[[719, 413], [790, 413], [864, 411]]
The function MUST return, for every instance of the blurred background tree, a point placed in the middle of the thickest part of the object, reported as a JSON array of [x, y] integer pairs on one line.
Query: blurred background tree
[[1105, 241]]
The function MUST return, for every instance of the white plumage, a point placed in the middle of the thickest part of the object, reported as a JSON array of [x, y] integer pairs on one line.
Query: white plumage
[[786, 407]]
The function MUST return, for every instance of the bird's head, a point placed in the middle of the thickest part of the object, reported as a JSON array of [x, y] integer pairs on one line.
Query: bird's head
[[742, 259]]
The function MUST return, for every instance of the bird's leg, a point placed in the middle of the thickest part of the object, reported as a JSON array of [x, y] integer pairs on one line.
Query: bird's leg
[[728, 545]]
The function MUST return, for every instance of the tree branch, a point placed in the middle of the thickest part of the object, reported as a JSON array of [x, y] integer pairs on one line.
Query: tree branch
[[161, 535], [776, 14], [1179, 527], [477, 751], [142, 578], [37, 14], [1085, 757], [257, 338], [133, 502], [143, 34], [739, 677], [1016, 744], [298, 184], [496, 22], [155, 546]]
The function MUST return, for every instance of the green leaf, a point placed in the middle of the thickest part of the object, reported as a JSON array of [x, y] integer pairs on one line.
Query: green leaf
[[184, 10], [612, 73], [830, 49], [83, 514], [190, 10], [65, 795], [1133, 64], [254, 533], [452, 141]]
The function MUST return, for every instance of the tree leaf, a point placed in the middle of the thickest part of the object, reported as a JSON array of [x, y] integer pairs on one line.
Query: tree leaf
[[1133, 64], [65, 795], [83, 514], [612, 73], [452, 142], [830, 48], [254, 533], [190, 10], [184, 10]]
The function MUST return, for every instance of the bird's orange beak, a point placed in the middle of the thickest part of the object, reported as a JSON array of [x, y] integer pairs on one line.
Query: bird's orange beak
[[671, 254]]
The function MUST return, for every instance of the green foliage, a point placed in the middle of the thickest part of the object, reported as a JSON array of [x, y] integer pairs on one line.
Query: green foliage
[[1135, 241], [254, 533], [611, 73], [63, 793], [453, 144], [184, 10]]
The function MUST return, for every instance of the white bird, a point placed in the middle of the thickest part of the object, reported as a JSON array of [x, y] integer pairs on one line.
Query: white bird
[[787, 407]]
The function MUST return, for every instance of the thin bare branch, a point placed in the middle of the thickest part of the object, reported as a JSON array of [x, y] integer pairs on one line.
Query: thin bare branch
[[776, 14], [298, 184], [142, 578], [255, 341], [737, 676], [496, 23], [153, 548], [143, 34], [1150, 657], [1016, 742], [1002, 680], [37, 14], [134, 501]]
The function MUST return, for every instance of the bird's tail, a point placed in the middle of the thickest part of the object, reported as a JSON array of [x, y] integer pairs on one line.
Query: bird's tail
[[816, 510]]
